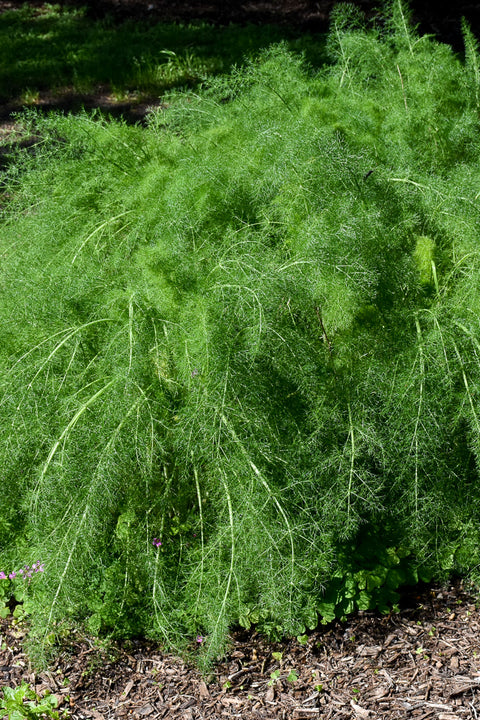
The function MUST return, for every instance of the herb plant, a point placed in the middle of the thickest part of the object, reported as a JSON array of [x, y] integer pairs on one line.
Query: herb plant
[[240, 348]]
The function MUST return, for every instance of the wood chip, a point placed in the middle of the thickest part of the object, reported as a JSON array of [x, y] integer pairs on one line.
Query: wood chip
[[144, 711], [270, 694], [128, 687], [365, 651], [203, 690], [360, 711], [375, 655]]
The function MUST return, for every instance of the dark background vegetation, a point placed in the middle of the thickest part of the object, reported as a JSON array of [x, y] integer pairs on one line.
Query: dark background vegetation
[[441, 17]]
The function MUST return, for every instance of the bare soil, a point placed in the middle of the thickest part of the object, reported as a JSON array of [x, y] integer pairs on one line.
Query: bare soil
[[423, 662]]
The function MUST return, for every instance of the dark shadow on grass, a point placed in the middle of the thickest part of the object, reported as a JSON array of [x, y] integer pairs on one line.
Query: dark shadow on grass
[[120, 56], [132, 110], [123, 56], [68, 55]]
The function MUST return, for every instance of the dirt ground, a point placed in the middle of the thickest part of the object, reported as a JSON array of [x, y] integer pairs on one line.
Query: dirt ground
[[423, 663]]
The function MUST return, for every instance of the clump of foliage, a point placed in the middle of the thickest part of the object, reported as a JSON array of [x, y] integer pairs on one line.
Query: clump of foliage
[[23, 703], [240, 348]]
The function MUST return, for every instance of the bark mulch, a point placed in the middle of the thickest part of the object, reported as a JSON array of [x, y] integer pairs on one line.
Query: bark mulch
[[423, 662]]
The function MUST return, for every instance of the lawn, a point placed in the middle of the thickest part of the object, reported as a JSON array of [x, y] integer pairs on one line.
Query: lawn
[[52, 50]]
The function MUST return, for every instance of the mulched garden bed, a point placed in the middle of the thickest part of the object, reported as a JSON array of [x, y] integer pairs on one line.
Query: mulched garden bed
[[423, 662]]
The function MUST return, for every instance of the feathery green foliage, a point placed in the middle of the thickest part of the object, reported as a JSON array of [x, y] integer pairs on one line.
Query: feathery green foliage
[[249, 331]]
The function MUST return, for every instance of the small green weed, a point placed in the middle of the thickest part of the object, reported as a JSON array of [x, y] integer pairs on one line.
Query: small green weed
[[374, 586], [274, 677], [14, 589]]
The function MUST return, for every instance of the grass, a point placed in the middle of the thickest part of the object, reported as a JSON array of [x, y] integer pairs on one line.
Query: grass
[[54, 49], [249, 332]]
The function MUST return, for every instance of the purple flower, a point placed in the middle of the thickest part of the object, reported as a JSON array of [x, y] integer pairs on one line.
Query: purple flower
[[25, 572], [157, 542], [199, 639]]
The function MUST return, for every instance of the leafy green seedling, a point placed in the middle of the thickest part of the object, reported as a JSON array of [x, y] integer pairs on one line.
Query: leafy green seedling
[[274, 677], [23, 703]]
